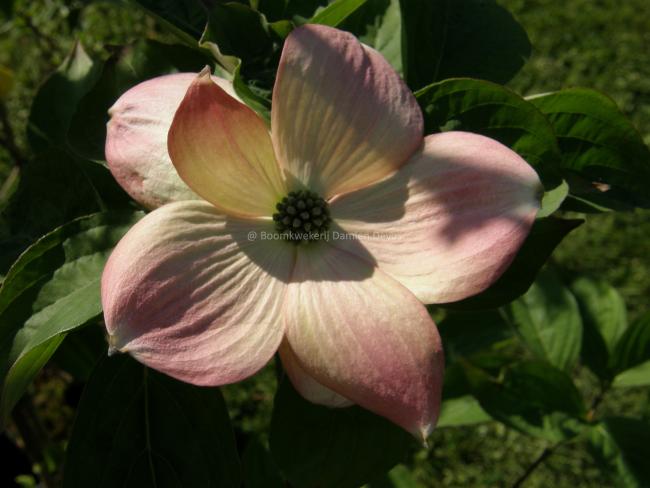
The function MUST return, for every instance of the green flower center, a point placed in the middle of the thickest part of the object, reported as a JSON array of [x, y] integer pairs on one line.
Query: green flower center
[[302, 216]]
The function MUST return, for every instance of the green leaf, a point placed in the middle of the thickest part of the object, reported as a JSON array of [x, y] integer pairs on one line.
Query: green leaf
[[532, 397], [465, 333], [136, 427], [125, 68], [484, 338], [622, 443], [636, 376], [281, 28], [22, 372], [604, 319], [317, 446], [465, 410], [378, 23], [603, 155], [547, 319], [241, 41], [336, 12], [398, 477], [544, 237], [258, 467], [56, 100], [237, 30], [185, 19], [273, 10], [494, 111], [452, 38], [80, 351], [43, 199], [553, 199], [261, 105], [52, 289], [633, 347]]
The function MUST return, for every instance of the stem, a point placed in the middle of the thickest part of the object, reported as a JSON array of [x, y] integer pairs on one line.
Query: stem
[[604, 388], [535, 464]]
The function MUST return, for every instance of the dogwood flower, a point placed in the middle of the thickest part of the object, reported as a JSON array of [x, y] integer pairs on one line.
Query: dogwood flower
[[322, 239]]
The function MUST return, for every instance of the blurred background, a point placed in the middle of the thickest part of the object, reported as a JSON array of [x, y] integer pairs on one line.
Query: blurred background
[[602, 44]]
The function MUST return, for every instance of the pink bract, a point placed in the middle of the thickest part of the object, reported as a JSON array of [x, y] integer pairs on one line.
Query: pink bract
[[204, 291]]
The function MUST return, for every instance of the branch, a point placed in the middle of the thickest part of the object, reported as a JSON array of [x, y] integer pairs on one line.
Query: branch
[[535, 464]]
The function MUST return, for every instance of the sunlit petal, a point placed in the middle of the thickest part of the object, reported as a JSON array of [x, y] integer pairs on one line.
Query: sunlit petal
[[363, 335], [136, 139], [223, 151], [449, 222], [187, 293], [306, 385], [342, 118]]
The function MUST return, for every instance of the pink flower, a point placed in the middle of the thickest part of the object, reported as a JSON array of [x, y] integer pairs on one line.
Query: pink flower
[[204, 289]]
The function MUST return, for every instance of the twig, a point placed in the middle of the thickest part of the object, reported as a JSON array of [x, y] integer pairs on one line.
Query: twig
[[535, 464], [604, 388]]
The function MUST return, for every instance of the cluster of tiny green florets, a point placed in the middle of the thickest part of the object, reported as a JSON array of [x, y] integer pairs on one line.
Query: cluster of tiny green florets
[[302, 216]]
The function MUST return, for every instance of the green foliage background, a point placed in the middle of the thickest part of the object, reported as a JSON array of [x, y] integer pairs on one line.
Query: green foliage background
[[603, 44]]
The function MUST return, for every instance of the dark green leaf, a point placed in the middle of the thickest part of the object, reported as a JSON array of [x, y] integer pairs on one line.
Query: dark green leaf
[[484, 338], [544, 237], [494, 111], [451, 38], [57, 99], [398, 477], [185, 19], [136, 427], [532, 397], [633, 347], [604, 319], [52, 289], [239, 31], [622, 443], [547, 319], [378, 23], [465, 333], [336, 12], [241, 41], [603, 155], [317, 446], [255, 101], [127, 67], [489, 109], [275, 10], [81, 350], [44, 199], [258, 467]]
